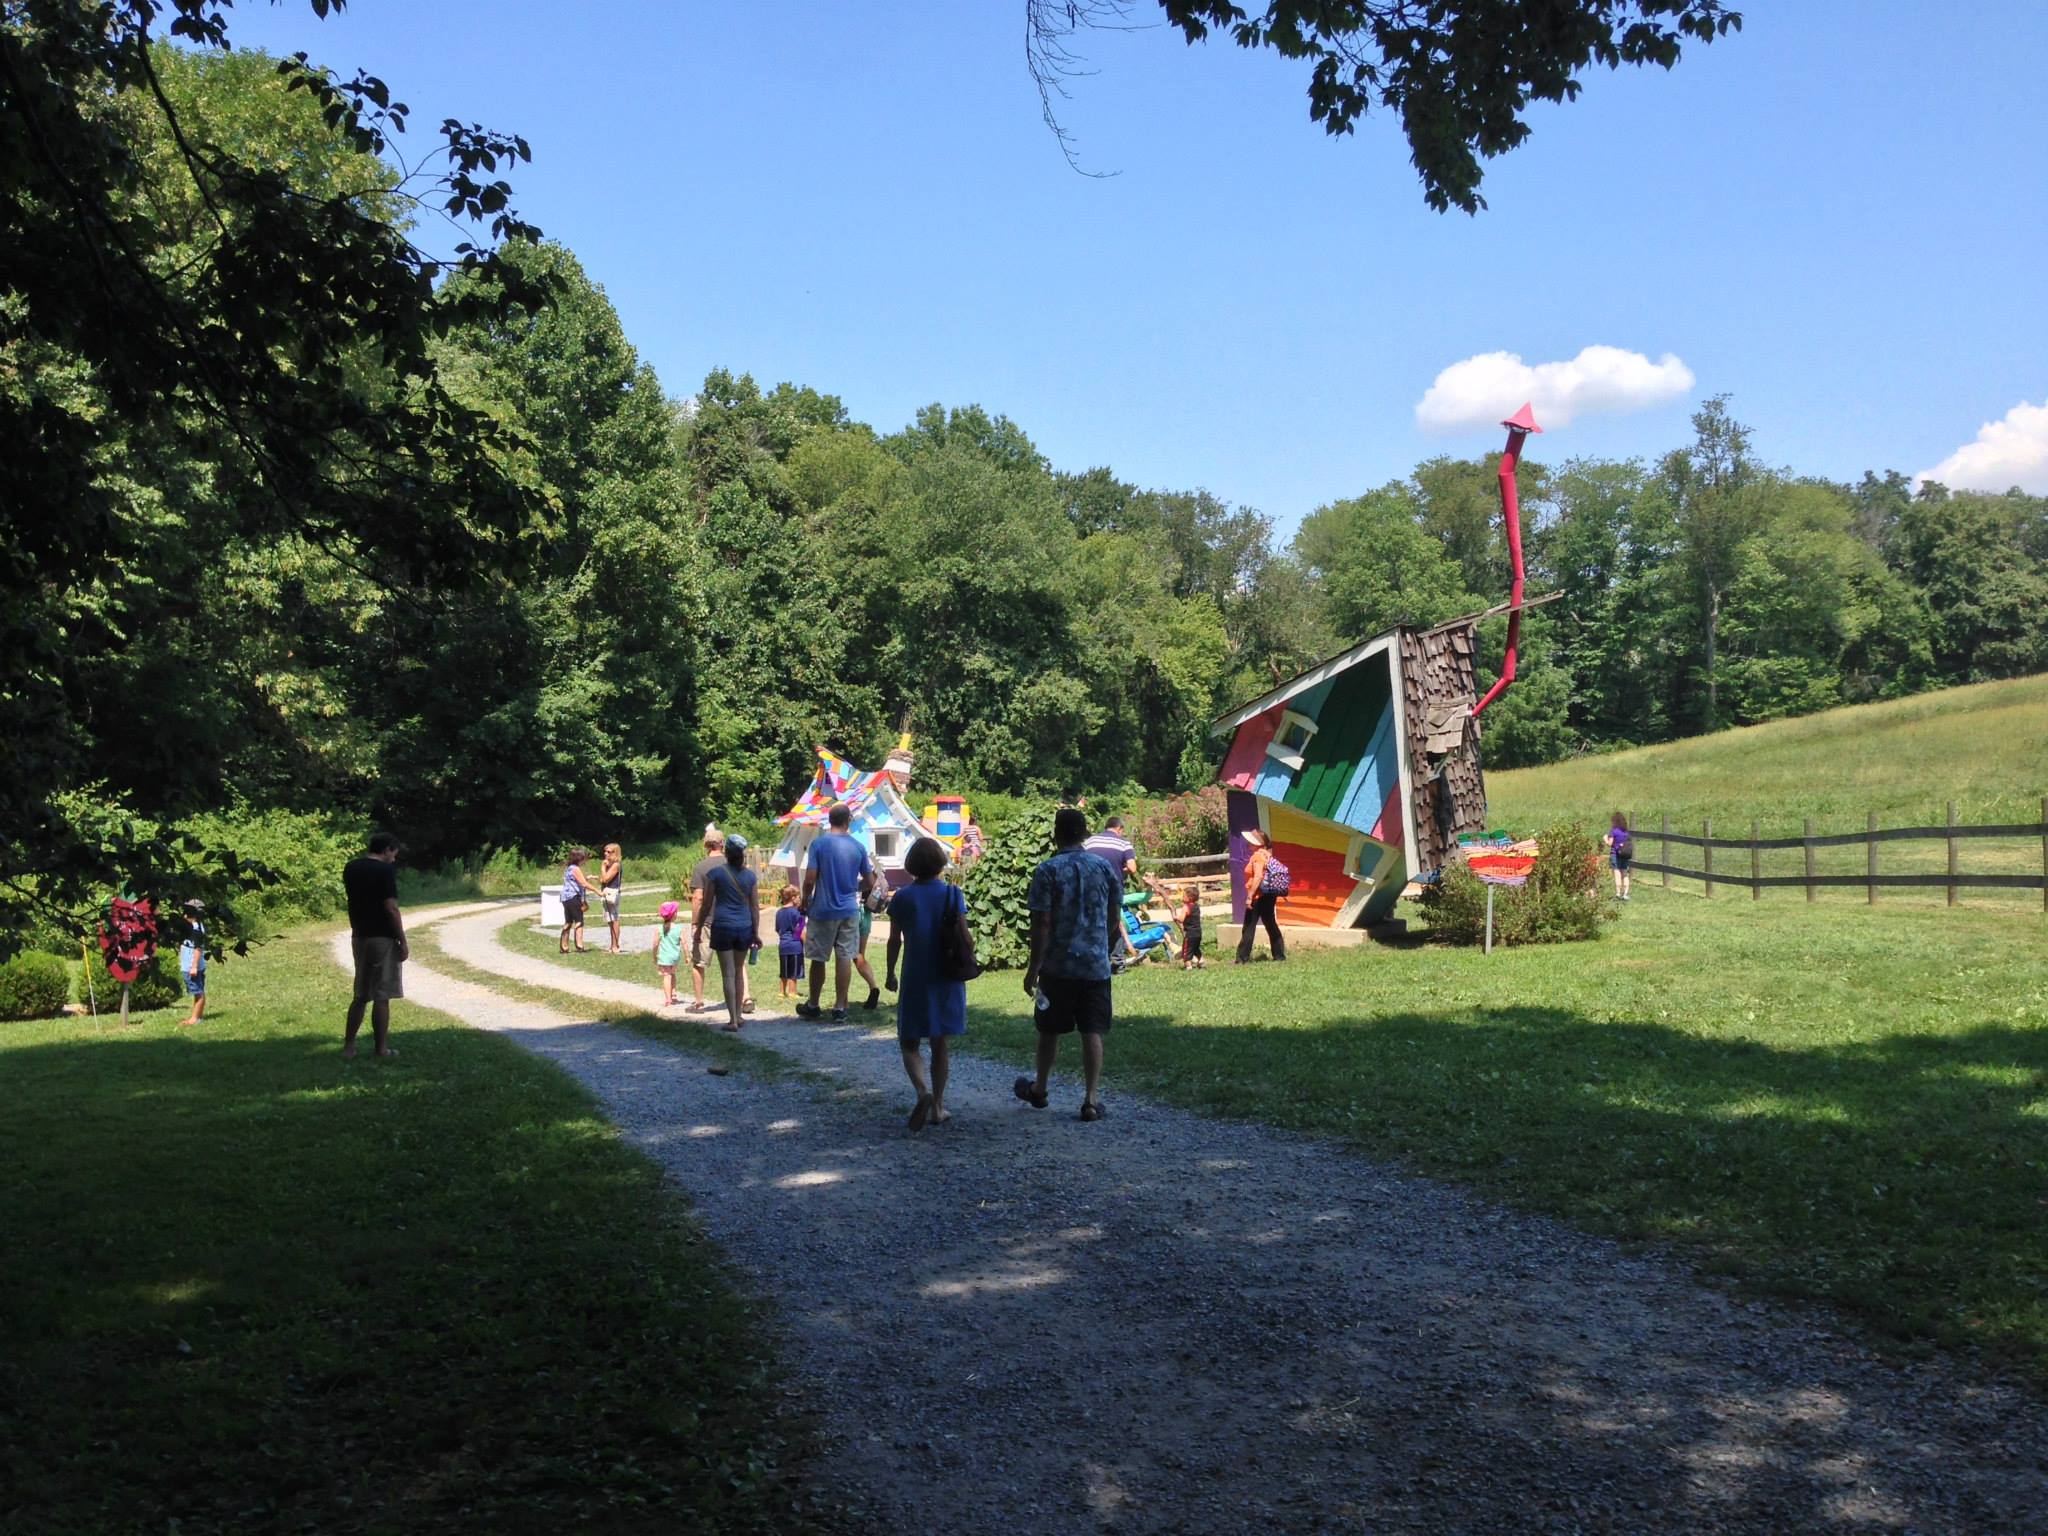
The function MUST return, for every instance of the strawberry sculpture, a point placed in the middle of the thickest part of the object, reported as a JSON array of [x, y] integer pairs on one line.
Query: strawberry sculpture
[[128, 938]]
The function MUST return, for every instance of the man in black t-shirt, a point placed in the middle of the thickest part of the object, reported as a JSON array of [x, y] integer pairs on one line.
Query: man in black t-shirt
[[377, 934]]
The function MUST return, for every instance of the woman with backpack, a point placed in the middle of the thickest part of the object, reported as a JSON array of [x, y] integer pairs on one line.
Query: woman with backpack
[[1621, 852], [1266, 880]]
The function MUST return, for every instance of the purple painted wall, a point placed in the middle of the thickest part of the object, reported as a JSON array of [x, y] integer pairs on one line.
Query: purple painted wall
[[1244, 817]]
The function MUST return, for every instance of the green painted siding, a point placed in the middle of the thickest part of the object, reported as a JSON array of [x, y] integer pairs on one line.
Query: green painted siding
[[1345, 723]]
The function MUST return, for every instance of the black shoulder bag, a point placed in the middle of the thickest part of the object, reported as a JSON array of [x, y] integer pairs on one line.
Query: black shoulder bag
[[956, 961]]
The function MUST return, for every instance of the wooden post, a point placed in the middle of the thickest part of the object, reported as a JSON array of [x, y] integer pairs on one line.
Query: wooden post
[[1756, 866], [1707, 849], [2044, 853], [1489, 917], [1809, 858], [1951, 853], [1870, 859], [1665, 857], [124, 1005]]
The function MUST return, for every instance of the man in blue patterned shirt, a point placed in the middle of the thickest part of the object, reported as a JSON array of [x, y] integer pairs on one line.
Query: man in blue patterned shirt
[[1076, 903]]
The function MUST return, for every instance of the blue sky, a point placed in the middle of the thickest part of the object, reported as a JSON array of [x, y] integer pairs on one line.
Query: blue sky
[[1838, 217]]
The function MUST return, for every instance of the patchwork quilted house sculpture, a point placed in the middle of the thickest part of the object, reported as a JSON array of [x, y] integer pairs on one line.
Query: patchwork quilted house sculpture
[[1361, 772], [882, 820]]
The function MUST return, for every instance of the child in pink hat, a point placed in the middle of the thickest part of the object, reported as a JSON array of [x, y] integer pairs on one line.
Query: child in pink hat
[[668, 952]]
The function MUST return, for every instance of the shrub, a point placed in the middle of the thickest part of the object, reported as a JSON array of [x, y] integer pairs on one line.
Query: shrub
[[1187, 825], [302, 851], [1560, 903], [997, 885], [157, 987], [34, 985]]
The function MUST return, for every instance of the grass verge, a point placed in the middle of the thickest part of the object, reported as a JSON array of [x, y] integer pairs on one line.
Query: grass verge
[[249, 1285], [1845, 1107], [688, 1033]]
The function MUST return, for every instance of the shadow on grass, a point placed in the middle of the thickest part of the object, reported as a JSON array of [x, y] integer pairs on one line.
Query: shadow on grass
[[1900, 1178], [248, 1284]]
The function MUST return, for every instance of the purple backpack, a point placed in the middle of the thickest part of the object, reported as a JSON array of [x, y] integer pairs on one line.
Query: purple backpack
[[1277, 881]]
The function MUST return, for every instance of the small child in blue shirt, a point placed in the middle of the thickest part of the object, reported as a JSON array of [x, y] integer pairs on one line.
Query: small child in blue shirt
[[789, 941], [192, 961]]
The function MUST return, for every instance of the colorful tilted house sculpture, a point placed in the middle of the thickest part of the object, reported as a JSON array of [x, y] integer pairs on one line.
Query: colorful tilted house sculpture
[[1362, 772], [882, 820]]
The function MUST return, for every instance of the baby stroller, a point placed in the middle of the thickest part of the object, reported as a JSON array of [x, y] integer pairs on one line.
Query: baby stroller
[[1142, 937]]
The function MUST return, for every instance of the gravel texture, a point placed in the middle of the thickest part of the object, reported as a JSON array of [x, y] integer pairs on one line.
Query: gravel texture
[[1019, 1323]]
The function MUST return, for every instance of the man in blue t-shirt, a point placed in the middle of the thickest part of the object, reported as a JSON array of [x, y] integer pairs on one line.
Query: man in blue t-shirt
[[838, 874]]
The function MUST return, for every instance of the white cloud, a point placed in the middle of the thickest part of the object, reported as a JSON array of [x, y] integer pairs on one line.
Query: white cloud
[[1486, 389], [2012, 451]]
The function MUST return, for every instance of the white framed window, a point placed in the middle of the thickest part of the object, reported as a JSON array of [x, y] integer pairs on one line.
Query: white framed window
[[1362, 857], [888, 844], [1290, 739]]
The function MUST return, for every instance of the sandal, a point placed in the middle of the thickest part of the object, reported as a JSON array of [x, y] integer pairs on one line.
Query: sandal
[[747, 1006], [920, 1112], [1027, 1090], [1091, 1111]]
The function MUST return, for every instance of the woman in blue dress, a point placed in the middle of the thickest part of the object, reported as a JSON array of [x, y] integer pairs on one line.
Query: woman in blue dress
[[928, 1006]]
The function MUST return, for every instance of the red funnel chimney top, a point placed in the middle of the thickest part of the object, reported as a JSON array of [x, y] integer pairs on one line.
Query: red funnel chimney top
[[1523, 420]]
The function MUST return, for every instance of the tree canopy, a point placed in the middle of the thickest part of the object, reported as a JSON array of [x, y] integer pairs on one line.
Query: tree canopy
[[1458, 75]]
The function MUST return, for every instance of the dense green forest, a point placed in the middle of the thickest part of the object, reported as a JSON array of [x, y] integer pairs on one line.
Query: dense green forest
[[670, 596]]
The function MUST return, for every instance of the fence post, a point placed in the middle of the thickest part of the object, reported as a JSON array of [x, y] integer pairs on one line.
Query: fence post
[[1870, 861], [1707, 848], [2044, 853], [1951, 853], [1665, 857], [1809, 858], [1756, 866]]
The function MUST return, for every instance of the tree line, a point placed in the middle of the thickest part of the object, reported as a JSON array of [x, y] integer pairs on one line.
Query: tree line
[[527, 588]]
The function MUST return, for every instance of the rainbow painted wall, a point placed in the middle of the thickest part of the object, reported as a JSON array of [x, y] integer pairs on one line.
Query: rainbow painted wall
[[1319, 766]]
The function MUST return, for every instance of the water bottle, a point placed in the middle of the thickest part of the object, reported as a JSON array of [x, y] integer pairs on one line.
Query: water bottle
[[1043, 1002]]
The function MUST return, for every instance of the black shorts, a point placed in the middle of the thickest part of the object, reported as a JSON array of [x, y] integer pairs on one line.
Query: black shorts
[[1072, 1005], [572, 911], [1191, 938], [725, 940]]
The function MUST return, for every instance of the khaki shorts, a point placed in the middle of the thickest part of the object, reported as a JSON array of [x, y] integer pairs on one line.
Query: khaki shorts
[[378, 969], [825, 937]]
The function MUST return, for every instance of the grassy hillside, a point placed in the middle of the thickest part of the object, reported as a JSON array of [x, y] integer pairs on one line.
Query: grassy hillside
[[1985, 747]]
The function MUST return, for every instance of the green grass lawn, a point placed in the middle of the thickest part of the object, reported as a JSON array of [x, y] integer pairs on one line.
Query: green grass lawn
[[248, 1286], [1984, 747], [1849, 1106]]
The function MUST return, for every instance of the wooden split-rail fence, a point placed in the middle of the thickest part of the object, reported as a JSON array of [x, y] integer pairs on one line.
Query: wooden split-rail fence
[[1208, 873], [1953, 879]]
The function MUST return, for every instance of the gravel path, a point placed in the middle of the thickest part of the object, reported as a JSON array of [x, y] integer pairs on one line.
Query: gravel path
[[1024, 1324]]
